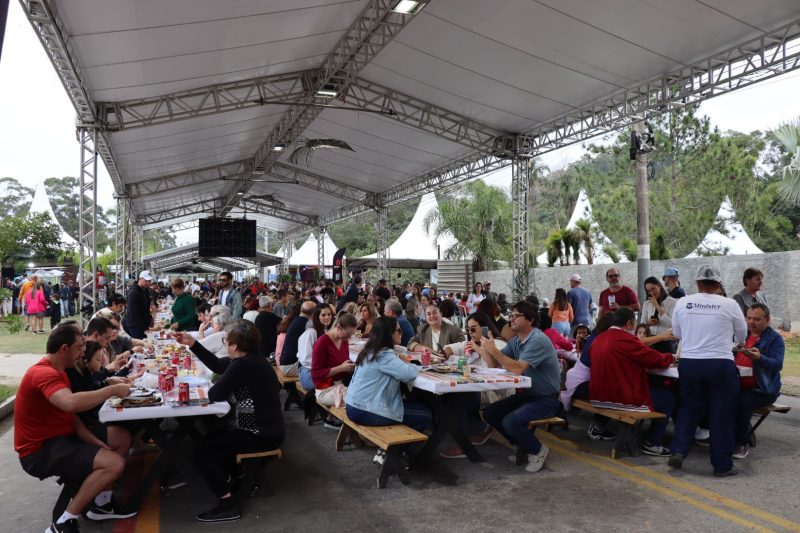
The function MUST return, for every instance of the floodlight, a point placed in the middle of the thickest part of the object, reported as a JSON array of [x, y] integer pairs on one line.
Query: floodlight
[[407, 7]]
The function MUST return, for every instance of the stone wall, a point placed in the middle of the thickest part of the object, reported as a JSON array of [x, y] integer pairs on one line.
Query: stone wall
[[781, 279]]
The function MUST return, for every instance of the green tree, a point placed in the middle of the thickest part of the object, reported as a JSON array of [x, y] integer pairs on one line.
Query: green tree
[[28, 237], [583, 228], [15, 198], [480, 220], [64, 198]]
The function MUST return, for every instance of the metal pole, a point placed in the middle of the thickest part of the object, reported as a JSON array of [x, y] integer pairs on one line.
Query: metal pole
[[87, 220], [383, 242], [642, 221], [519, 204], [321, 251]]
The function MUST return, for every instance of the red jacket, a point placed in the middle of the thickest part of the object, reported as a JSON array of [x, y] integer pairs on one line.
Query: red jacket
[[560, 342], [619, 375], [324, 357]]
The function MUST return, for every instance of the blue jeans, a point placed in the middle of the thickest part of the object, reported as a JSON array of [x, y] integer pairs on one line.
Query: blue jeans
[[510, 416], [708, 386], [663, 402], [415, 416], [305, 378], [562, 327], [749, 401]]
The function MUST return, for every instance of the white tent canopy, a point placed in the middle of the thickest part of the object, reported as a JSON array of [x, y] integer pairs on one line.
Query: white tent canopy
[[583, 209], [41, 204], [733, 240], [307, 254]]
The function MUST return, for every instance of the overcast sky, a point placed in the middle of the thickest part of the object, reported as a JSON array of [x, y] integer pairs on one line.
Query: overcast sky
[[37, 137]]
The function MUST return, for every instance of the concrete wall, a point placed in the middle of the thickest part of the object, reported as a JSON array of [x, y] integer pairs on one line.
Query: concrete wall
[[781, 279]]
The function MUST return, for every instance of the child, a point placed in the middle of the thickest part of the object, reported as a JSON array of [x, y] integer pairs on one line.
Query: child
[[54, 310]]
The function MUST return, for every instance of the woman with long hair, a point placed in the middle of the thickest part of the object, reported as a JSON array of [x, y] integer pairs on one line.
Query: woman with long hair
[[657, 310], [561, 312], [492, 310], [35, 306], [374, 397], [475, 297], [321, 321], [331, 367], [368, 316]]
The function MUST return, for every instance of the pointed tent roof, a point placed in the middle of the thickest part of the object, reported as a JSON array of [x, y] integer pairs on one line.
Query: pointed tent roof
[[583, 209], [414, 242], [293, 251], [41, 204], [733, 240], [307, 254]]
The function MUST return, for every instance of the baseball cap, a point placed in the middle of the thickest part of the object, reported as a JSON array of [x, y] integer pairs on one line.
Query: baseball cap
[[575, 277], [708, 273], [145, 275], [670, 271], [382, 280]]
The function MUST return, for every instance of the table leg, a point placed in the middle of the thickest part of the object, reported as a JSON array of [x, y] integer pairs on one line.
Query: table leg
[[446, 416]]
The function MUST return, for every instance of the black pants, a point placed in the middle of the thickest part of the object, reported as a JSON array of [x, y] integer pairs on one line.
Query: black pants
[[215, 455]]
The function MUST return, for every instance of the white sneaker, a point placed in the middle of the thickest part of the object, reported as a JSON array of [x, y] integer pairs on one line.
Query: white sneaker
[[740, 452], [536, 462], [380, 458]]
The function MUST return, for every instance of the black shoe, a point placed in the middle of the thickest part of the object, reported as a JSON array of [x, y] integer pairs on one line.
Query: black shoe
[[225, 511], [70, 526], [675, 461], [332, 424], [727, 473], [108, 511]]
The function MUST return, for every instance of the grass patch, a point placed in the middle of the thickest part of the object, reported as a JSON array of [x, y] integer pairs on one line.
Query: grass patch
[[7, 391], [23, 342], [791, 357]]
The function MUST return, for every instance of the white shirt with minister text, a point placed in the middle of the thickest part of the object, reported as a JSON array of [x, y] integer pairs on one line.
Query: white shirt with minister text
[[708, 325]]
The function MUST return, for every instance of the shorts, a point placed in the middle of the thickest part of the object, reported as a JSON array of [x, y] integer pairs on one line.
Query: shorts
[[67, 457], [37, 315], [99, 430]]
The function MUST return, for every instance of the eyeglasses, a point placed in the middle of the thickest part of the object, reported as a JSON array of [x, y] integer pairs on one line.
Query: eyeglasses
[[514, 316], [610, 276]]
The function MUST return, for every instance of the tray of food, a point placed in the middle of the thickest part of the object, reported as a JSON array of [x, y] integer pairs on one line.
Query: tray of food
[[144, 401], [444, 369]]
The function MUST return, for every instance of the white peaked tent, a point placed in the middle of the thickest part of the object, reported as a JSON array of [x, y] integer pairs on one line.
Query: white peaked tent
[[279, 253], [41, 204], [583, 209], [415, 243], [307, 254], [734, 240]]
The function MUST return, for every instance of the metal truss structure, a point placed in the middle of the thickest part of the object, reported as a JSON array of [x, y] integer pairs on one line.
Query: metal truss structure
[[87, 220], [519, 208], [382, 234], [321, 249], [119, 245]]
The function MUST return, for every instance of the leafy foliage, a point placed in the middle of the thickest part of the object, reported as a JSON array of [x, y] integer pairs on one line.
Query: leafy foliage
[[65, 200], [28, 237], [15, 198]]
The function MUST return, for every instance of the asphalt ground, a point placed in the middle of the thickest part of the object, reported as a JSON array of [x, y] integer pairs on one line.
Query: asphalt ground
[[580, 488]]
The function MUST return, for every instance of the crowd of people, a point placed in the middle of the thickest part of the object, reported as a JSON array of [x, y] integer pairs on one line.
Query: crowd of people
[[239, 330]]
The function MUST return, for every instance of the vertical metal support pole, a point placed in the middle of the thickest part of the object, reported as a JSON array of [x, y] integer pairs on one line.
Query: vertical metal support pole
[[87, 224], [519, 204], [642, 221], [321, 251], [119, 247], [383, 242]]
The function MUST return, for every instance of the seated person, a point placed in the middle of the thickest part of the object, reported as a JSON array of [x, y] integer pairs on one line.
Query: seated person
[[215, 342], [529, 353], [255, 421], [374, 397], [562, 344], [321, 321], [434, 335], [203, 311], [283, 329], [368, 316], [331, 367], [490, 308], [81, 378], [763, 351], [620, 380], [52, 441]]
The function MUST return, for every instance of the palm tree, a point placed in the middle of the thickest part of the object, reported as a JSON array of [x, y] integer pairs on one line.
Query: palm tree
[[572, 243], [788, 135], [480, 220], [555, 247], [584, 230]]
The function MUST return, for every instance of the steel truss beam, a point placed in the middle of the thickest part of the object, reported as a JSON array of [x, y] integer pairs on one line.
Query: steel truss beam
[[166, 217], [321, 250], [519, 246], [374, 28], [119, 246], [382, 235], [87, 223], [210, 100], [764, 57]]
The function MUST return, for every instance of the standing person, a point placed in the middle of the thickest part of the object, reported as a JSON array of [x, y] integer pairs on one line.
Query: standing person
[[229, 295], [256, 423], [752, 279], [63, 294], [657, 310], [762, 351], [488, 292], [138, 318], [475, 297], [529, 353], [617, 295], [352, 294], [382, 290], [673, 282], [709, 381], [35, 306], [581, 301], [561, 312], [52, 441], [184, 313], [289, 363], [267, 325], [54, 311], [25, 288]]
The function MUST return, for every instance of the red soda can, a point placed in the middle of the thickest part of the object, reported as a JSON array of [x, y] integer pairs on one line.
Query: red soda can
[[140, 366], [187, 362], [183, 392], [173, 371], [162, 381], [170, 383], [176, 358], [161, 334], [426, 358]]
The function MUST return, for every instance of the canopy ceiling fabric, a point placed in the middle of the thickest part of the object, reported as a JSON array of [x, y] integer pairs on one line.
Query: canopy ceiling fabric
[[493, 68]]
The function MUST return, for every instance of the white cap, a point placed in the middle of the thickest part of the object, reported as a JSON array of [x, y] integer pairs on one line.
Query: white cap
[[145, 275], [575, 277], [708, 273]]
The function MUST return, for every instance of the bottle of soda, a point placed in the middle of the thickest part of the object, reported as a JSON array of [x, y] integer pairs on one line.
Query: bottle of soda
[[462, 362]]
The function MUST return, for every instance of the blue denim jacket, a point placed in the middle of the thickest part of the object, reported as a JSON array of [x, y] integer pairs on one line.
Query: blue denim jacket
[[767, 370], [375, 386]]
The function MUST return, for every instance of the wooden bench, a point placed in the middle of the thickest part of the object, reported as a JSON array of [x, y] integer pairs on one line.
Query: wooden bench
[[627, 436], [763, 413], [253, 470], [291, 385], [548, 423], [390, 439]]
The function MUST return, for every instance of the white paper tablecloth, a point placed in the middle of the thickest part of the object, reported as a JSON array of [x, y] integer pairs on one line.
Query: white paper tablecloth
[[118, 414], [443, 383], [672, 371]]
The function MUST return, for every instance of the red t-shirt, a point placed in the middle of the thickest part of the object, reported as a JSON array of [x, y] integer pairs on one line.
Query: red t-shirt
[[624, 296], [35, 418], [747, 382], [325, 356]]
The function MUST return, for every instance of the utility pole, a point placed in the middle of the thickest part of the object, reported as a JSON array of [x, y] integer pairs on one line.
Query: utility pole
[[642, 207]]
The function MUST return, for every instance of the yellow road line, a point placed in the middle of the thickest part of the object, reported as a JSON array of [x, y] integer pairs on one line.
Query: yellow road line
[[622, 469], [147, 521]]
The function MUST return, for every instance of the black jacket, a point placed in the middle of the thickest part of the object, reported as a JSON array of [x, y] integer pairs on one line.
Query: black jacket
[[138, 313]]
